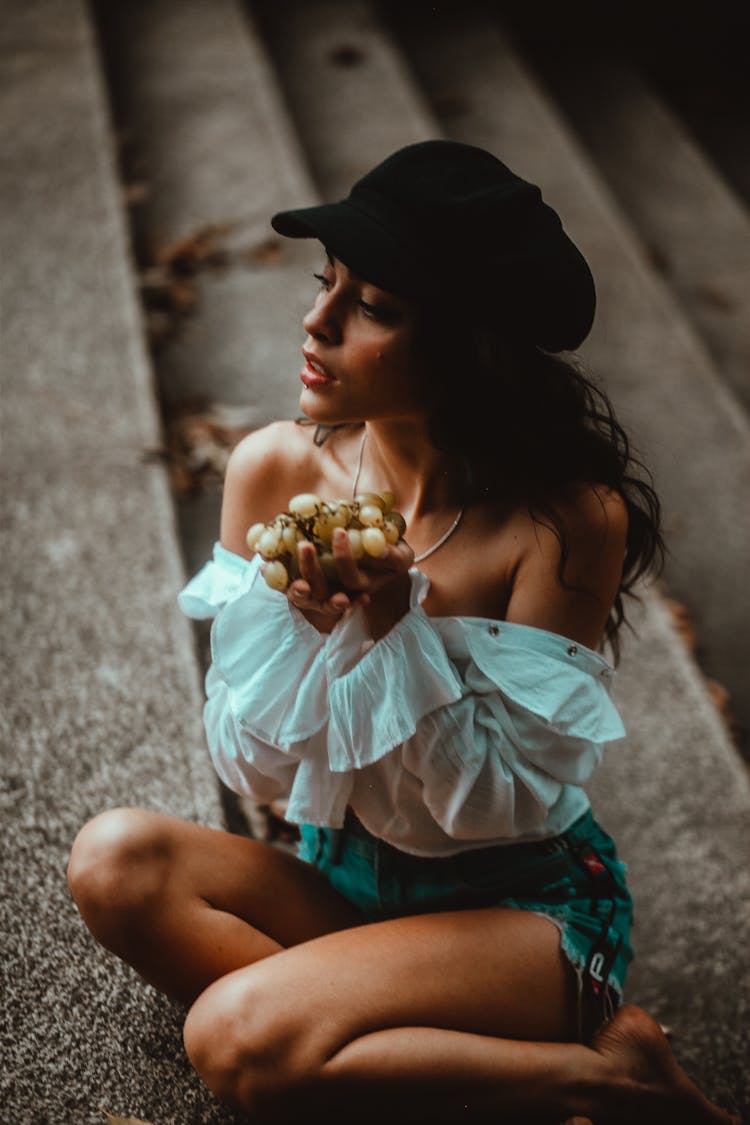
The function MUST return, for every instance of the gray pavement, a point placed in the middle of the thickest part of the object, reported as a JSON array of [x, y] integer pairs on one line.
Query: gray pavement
[[694, 227], [101, 694], [213, 146], [103, 698]]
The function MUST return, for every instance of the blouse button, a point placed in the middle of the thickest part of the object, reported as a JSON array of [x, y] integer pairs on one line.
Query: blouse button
[[573, 650], [493, 630]]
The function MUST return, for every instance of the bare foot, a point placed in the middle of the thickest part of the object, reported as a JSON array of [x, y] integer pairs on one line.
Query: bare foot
[[657, 1088]]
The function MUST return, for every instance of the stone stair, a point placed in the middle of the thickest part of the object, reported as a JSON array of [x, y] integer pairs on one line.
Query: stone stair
[[230, 113]]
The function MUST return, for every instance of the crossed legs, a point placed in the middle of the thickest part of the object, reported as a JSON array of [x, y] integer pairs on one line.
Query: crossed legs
[[295, 1007]]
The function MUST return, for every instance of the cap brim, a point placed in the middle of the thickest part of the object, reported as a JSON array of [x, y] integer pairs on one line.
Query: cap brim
[[365, 246], [559, 283]]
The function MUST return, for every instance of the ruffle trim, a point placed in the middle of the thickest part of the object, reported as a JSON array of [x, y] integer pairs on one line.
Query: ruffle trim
[[378, 704], [273, 663], [220, 580]]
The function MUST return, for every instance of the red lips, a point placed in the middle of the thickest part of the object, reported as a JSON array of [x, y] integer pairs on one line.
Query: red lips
[[315, 367]]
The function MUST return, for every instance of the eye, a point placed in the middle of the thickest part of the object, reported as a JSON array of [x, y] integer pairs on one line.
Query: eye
[[325, 283], [371, 311]]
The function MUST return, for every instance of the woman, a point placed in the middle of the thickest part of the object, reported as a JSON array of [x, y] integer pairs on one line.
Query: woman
[[453, 940]]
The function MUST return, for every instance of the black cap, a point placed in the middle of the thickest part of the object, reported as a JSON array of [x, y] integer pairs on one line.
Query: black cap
[[442, 213]]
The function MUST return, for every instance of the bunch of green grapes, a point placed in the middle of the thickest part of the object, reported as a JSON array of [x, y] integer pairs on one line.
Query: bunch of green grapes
[[369, 521]]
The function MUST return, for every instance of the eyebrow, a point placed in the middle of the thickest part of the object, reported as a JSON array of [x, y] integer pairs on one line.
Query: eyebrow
[[332, 259]]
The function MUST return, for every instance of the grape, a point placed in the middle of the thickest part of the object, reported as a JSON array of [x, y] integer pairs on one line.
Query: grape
[[323, 527], [254, 534], [374, 542], [328, 566], [365, 498], [340, 513], [370, 523], [290, 537], [355, 542], [275, 574], [306, 504], [370, 515], [390, 531], [269, 543]]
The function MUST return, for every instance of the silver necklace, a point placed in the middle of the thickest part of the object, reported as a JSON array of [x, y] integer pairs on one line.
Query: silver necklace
[[441, 540]]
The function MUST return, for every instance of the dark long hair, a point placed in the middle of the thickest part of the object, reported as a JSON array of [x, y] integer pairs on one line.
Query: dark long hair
[[532, 424]]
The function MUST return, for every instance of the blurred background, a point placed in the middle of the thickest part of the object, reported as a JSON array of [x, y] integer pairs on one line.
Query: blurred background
[[151, 317]]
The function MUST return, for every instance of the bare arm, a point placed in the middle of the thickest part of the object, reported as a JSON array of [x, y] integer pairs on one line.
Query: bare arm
[[596, 524]]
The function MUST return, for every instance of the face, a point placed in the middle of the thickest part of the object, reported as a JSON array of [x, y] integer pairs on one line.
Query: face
[[361, 358]]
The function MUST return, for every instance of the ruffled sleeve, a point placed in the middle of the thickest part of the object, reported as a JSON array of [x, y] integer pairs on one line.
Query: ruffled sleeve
[[493, 732], [535, 718], [272, 661], [379, 692], [266, 709], [219, 581]]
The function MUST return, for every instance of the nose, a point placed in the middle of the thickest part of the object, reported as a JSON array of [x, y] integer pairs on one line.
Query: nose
[[322, 321]]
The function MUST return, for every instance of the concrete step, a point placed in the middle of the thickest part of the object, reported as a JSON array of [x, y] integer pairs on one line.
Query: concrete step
[[213, 147], [101, 691], [694, 225], [209, 138], [363, 103]]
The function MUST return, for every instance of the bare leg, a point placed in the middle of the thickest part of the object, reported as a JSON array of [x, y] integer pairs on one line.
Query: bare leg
[[437, 1018], [184, 905], [310, 1012]]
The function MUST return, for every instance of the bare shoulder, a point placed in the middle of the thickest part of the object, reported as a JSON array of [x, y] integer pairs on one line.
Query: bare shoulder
[[264, 470], [594, 515], [593, 524], [278, 447]]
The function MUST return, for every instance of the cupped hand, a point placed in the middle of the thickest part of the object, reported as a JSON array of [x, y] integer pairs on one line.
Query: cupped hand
[[312, 593]]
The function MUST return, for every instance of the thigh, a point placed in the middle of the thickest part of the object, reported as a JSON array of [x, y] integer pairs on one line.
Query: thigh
[[174, 863], [277, 893], [494, 971]]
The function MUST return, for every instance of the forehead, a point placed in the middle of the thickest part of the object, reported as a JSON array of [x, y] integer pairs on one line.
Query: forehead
[[350, 275]]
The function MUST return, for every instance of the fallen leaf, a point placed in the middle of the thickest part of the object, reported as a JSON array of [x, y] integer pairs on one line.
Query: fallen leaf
[[264, 253], [684, 622], [715, 298], [123, 1120], [199, 441], [135, 193]]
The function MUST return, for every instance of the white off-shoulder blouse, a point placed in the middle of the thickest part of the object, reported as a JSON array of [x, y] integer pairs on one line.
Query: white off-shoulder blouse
[[448, 733]]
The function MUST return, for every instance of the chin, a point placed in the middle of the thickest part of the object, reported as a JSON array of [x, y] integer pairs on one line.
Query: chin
[[314, 408]]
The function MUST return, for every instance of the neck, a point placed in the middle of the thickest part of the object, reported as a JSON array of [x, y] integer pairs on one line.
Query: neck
[[399, 456]]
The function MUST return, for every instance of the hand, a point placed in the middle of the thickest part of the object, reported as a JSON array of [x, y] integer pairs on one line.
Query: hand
[[312, 594]]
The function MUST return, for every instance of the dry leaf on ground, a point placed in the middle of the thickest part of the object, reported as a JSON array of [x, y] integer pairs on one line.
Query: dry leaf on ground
[[115, 1120], [199, 439], [168, 277]]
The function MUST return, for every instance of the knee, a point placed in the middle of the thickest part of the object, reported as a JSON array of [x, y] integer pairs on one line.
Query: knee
[[117, 864], [249, 1047]]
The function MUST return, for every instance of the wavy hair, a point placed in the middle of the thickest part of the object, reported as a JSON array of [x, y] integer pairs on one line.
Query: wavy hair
[[531, 425]]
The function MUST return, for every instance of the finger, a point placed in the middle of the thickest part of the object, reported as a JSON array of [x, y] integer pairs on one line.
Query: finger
[[396, 557], [350, 574], [299, 590], [310, 570]]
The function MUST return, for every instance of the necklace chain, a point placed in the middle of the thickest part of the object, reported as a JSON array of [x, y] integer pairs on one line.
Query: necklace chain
[[440, 541]]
